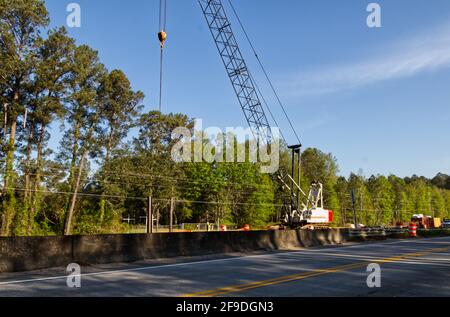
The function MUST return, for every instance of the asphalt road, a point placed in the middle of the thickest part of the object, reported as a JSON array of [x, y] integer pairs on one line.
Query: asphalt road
[[408, 268]]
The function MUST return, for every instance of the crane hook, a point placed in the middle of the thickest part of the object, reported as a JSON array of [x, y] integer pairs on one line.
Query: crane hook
[[162, 36]]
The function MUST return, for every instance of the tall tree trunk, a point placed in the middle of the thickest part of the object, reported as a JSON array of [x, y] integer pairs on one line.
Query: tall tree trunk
[[28, 161], [10, 156], [10, 151], [73, 162], [69, 217], [76, 188], [105, 179], [37, 180], [8, 191], [24, 221]]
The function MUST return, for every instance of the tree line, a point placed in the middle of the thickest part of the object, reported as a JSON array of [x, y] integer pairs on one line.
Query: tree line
[[101, 172]]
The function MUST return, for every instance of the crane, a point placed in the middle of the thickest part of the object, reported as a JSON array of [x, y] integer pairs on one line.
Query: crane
[[236, 68], [301, 211]]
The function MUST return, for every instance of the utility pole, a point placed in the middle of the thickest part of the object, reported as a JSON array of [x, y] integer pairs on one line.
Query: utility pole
[[354, 209], [344, 213], [429, 202], [361, 201], [157, 219], [172, 207], [149, 216]]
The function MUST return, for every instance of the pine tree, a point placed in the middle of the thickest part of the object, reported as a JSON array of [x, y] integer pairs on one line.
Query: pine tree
[[120, 107], [84, 117], [20, 24]]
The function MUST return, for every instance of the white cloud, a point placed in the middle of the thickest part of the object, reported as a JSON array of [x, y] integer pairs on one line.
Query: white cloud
[[423, 53]]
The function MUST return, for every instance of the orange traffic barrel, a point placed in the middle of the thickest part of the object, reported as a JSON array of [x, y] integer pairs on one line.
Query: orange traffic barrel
[[223, 228], [412, 229], [246, 228]]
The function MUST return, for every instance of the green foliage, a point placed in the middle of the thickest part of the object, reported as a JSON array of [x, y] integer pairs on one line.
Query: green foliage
[[53, 80], [20, 24], [382, 195], [441, 180]]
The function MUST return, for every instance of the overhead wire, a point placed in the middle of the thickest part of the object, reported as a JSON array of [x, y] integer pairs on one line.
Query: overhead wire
[[162, 14], [167, 186], [265, 72], [71, 193], [144, 198], [161, 75], [157, 176], [81, 194], [266, 104]]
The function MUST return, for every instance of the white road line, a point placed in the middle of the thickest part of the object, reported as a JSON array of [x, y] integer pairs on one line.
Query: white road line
[[336, 248]]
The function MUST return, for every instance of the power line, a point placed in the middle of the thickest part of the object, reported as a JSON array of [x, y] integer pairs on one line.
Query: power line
[[145, 198], [73, 193], [177, 200], [179, 187], [156, 176], [219, 203]]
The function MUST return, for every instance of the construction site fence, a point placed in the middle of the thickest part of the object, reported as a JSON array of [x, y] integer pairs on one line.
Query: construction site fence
[[184, 227]]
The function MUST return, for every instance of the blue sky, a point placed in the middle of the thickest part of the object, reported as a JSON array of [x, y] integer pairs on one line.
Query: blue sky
[[378, 99]]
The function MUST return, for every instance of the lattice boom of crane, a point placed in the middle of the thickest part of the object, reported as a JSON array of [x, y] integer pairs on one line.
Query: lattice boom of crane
[[237, 69]]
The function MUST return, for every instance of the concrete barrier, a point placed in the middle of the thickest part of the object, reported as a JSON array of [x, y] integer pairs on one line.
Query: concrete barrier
[[383, 234], [430, 233], [25, 253], [32, 253]]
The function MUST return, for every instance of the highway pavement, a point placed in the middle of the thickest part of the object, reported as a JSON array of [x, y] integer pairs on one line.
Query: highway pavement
[[410, 267]]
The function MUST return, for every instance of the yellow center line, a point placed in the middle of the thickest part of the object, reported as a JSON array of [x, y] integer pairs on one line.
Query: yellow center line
[[304, 275]]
